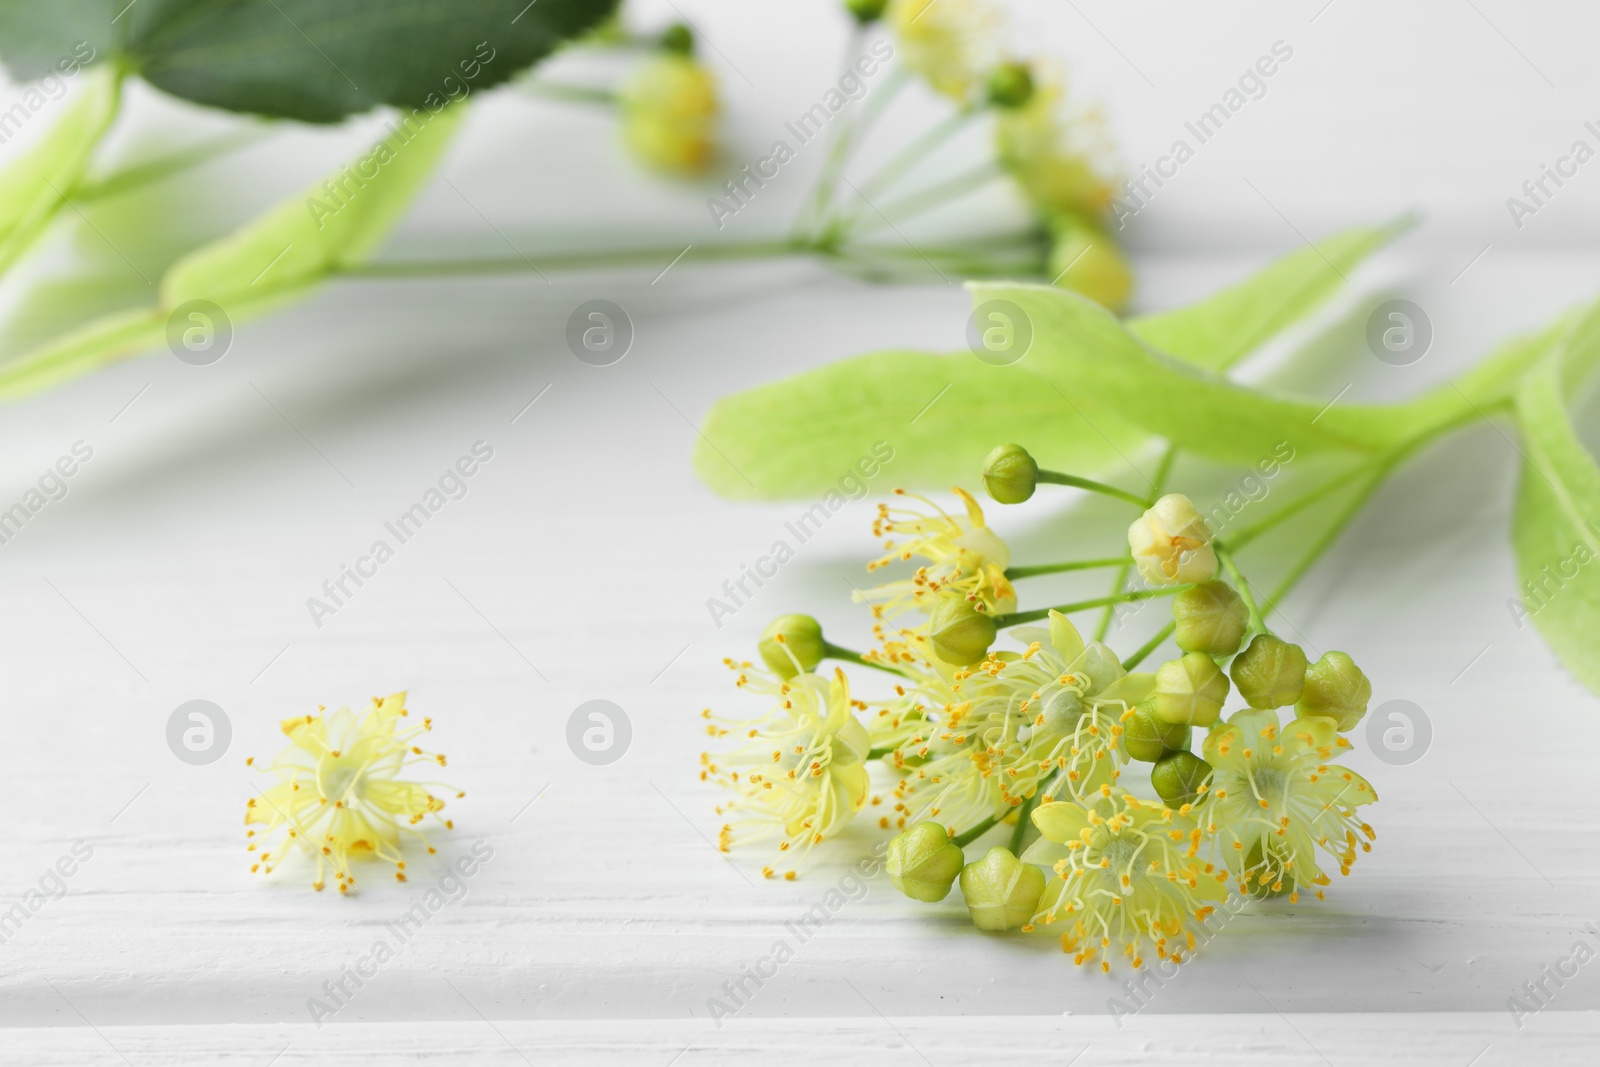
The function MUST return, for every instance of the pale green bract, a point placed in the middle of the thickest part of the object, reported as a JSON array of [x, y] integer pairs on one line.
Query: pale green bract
[[279, 256], [1556, 525], [34, 188], [942, 413]]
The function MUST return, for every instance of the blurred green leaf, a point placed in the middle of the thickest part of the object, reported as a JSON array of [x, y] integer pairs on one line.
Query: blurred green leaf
[[278, 257], [1556, 526], [36, 185], [1231, 323], [311, 60]]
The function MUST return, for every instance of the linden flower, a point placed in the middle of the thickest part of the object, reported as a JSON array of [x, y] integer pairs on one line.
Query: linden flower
[[1057, 157], [669, 114], [964, 556], [1126, 876], [1171, 543], [339, 795], [1275, 800], [952, 44], [800, 774]]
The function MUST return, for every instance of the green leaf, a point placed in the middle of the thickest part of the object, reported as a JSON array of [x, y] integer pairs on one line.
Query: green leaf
[[311, 60], [278, 257], [1556, 526], [35, 187], [1085, 351], [1225, 327]]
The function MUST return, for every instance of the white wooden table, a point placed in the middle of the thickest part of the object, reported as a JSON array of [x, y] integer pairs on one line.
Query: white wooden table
[[578, 565]]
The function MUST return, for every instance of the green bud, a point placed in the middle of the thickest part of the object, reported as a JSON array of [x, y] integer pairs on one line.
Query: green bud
[[796, 635], [1335, 687], [678, 38], [1087, 261], [1270, 673], [1190, 690], [923, 861], [1179, 778], [866, 11], [961, 634], [1011, 85], [1148, 737], [1010, 474], [1210, 618], [1002, 892]]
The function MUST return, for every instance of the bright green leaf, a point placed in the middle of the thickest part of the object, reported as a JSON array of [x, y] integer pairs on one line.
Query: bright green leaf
[[1556, 527], [36, 185], [1231, 323], [311, 60]]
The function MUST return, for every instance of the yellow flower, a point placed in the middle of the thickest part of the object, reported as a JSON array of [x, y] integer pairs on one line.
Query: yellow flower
[[339, 795], [799, 776], [1275, 799], [1084, 259], [964, 557], [1171, 543], [669, 114], [1057, 157], [1126, 875], [952, 44]]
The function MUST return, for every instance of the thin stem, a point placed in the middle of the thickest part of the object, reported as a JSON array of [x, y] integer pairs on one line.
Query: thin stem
[[1018, 617], [160, 168], [630, 257], [914, 204], [1057, 568], [1294, 507], [1021, 829], [1149, 646], [839, 143], [907, 158], [833, 651], [1163, 471], [1057, 478], [1258, 624], [963, 840], [568, 93], [1321, 545]]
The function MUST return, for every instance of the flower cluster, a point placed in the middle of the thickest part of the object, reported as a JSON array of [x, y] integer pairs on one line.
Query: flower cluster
[[964, 738]]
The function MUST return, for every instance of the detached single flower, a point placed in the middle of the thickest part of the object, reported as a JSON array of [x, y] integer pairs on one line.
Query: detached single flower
[[340, 796]]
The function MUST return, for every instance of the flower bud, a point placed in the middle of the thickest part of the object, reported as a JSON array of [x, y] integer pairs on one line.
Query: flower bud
[[678, 38], [1010, 85], [1171, 543], [1010, 474], [1002, 892], [1084, 259], [1190, 690], [1210, 618], [1335, 687], [791, 638], [1270, 673], [923, 861], [1148, 737], [1180, 778], [961, 634], [866, 11]]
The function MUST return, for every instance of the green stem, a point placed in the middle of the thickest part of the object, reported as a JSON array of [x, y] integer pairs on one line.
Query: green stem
[[914, 204], [1258, 624], [630, 257], [1057, 478], [1299, 504], [1014, 573], [840, 138], [1021, 829], [1163, 471], [1016, 618], [963, 840], [575, 94], [907, 158], [1321, 545], [1149, 646], [833, 651], [160, 168]]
